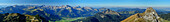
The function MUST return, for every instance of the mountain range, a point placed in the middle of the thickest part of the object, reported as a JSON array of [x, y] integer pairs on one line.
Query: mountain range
[[57, 13], [105, 16], [51, 13], [149, 15]]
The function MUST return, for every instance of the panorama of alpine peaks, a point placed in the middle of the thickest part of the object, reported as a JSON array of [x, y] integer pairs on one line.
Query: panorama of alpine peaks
[[84, 11]]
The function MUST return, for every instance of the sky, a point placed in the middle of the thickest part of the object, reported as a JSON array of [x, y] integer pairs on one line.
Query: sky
[[92, 3]]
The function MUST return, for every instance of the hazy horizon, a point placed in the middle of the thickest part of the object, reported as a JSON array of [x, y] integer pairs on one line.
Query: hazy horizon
[[91, 3]]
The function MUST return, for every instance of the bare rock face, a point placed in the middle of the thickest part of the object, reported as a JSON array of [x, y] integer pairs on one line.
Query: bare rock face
[[149, 15]]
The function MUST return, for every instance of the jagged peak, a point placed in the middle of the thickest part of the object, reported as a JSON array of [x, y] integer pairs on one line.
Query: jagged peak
[[149, 15], [66, 6], [14, 5], [90, 8], [150, 10], [77, 7], [108, 11]]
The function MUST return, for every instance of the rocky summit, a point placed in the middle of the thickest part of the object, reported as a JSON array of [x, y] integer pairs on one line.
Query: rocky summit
[[149, 15]]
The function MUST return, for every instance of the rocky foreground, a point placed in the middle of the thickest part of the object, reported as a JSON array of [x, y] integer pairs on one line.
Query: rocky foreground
[[149, 15]]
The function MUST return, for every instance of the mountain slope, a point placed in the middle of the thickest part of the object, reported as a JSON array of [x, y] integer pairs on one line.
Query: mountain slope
[[149, 15], [165, 16], [108, 11], [105, 16], [16, 17]]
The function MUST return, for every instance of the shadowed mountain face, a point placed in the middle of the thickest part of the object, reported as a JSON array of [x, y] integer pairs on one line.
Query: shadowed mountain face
[[105, 16], [149, 15], [165, 16], [16, 17]]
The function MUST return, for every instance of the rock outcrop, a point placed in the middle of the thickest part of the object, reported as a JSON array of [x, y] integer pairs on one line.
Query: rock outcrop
[[149, 15]]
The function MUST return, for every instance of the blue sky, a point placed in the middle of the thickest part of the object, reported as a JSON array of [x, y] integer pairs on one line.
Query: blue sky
[[93, 3]]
